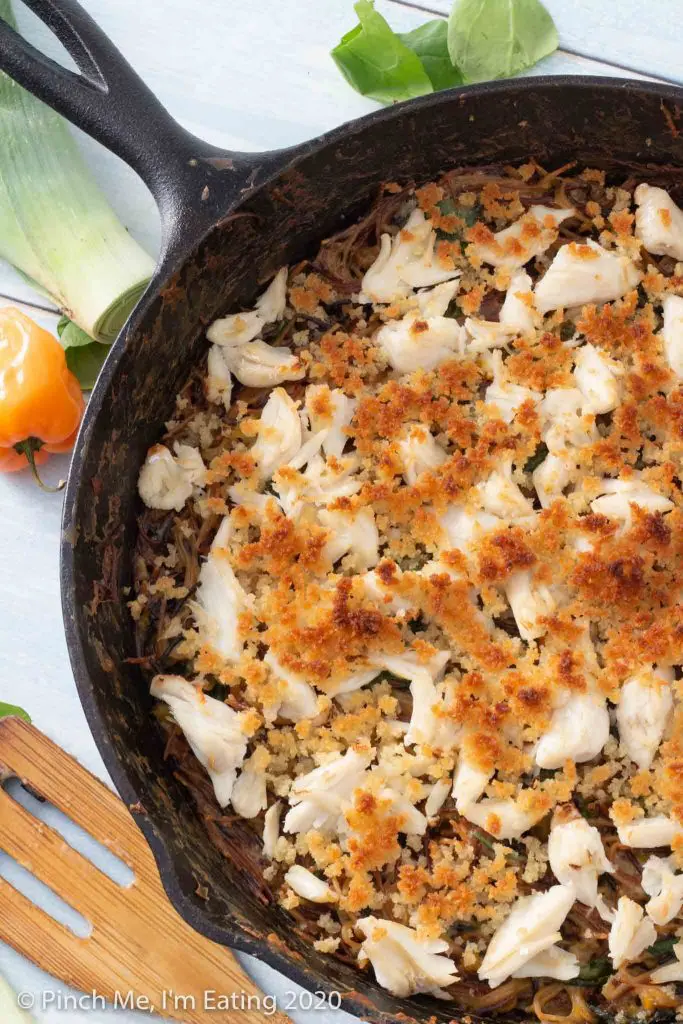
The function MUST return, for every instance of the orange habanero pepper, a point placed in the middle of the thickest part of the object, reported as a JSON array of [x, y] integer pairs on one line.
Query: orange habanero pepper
[[40, 399]]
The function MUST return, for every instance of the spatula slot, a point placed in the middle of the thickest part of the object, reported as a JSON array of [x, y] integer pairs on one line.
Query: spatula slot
[[43, 897], [98, 855]]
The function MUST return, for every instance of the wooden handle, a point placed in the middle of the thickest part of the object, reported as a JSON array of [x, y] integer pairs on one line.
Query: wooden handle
[[138, 943]]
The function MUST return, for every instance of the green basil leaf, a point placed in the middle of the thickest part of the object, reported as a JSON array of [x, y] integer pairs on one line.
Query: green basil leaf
[[12, 709], [430, 43], [85, 362], [376, 63], [499, 38]]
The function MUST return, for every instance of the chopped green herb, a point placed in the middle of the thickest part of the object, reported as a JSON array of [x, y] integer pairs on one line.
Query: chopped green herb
[[582, 806], [595, 972], [537, 458], [663, 948]]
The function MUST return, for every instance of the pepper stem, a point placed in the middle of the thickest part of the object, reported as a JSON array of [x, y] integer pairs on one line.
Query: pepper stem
[[29, 447]]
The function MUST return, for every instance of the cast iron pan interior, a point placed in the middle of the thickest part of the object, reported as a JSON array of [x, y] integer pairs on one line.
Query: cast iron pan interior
[[230, 221]]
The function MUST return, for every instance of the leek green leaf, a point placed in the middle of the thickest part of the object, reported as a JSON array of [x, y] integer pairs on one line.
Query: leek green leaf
[[56, 227], [376, 63], [499, 38], [85, 362], [430, 43], [84, 357], [71, 335], [12, 709], [9, 1010]]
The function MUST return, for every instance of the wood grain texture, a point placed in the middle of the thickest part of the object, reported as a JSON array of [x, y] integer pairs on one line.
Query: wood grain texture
[[257, 79], [138, 942]]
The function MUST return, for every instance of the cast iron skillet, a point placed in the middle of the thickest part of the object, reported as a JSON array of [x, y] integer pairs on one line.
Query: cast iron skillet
[[230, 220]]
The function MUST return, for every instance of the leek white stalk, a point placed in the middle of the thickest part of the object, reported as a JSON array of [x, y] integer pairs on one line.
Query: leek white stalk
[[9, 1011], [56, 227]]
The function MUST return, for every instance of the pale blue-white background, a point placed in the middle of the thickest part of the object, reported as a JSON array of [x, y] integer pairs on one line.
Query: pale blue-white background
[[246, 74]]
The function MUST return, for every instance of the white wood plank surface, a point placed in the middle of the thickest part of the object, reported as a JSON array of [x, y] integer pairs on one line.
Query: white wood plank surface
[[640, 37], [247, 74]]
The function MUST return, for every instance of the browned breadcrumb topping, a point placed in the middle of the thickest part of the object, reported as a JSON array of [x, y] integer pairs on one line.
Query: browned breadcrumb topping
[[612, 606]]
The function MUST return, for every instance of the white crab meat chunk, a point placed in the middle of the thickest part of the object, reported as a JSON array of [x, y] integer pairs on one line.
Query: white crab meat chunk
[[553, 962], [309, 886], [500, 495], [672, 332], [271, 829], [240, 328], [518, 310], [405, 262], [419, 451], [329, 409], [220, 600], [617, 496], [659, 222], [552, 476], [565, 424], [664, 887], [404, 964], [297, 698], [428, 722], [316, 798], [631, 932], [486, 335], [351, 682], [504, 819], [212, 729], [528, 237], [414, 343], [435, 301], [672, 972], [469, 781], [649, 833], [506, 397], [643, 712], [380, 587], [411, 821], [218, 378], [531, 928], [166, 481], [582, 273], [322, 482], [463, 529], [597, 378], [437, 797], [352, 533], [577, 857], [579, 729], [260, 365], [249, 792], [529, 602], [279, 434]]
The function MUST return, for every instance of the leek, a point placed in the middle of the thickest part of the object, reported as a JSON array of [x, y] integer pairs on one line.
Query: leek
[[9, 1010], [56, 227]]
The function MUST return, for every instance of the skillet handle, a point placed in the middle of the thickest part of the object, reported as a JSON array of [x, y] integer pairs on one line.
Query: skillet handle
[[192, 182]]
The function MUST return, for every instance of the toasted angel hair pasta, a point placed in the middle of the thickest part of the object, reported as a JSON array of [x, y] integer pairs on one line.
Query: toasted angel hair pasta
[[407, 588]]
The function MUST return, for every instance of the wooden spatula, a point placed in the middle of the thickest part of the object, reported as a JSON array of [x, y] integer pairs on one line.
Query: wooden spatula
[[138, 943]]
